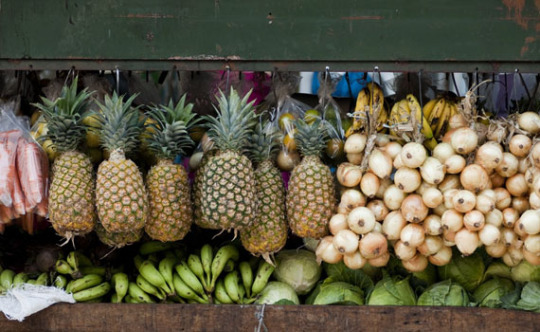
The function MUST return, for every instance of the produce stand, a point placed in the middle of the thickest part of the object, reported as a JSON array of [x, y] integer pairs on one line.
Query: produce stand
[[351, 35]]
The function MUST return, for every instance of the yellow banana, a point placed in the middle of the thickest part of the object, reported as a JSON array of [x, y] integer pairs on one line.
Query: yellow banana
[[225, 253], [221, 294], [246, 275], [6, 278], [443, 120], [150, 273], [136, 293], [184, 291], [85, 282], [436, 114], [231, 282], [92, 293], [362, 100], [264, 272], [120, 283], [166, 268], [149, 288], [416, 110], [189, 278], [428, 107]]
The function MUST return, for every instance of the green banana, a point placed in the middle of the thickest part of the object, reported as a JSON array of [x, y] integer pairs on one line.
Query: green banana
[[31, 281], [120, 283], [189, 278], [229, 266], [101, 270], [85, 282], [220, 260], [114, 298], [6, 278], [60, 281], [76, 259], [92, 293], [231, 282], [150, 273], [63, 267], [20, 278], [137, 261], [264, 272], [194, 263], [207, 256], [149, 288], [221, 294], [247, 276], [154, 246], [137, 293], [166, 268], [43, 279], [184, 291], [129, 299]]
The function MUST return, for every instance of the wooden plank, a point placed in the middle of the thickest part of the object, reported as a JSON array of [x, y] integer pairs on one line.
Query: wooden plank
[[261, 34], [167, 317]]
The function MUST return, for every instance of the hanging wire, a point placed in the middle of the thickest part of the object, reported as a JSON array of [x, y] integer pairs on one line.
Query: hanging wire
[[326, 75], [228, 79], [524, 85], [117, 80]]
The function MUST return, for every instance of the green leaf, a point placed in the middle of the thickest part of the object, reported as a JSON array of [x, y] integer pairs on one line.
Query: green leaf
[[284, 302], [339, 293], [340, 272]]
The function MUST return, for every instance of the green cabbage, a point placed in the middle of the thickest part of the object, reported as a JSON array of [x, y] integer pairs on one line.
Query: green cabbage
[[339, 293], [530, 297], [525, 271], [468, 271], [276, 292], [444, 293], [392, 291], [299, 269], [489, 293], [498, 269]]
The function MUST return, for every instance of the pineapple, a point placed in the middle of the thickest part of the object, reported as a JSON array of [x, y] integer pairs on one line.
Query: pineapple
[[311, 193], [267, 234], [121, 198], [199, 218], [118, 240], [170, 212], [227, 183], [71, 197]]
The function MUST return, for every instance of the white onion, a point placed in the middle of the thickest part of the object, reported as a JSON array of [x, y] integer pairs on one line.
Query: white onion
[[496, 180], [380, 163], [509, 237], [407, 179], [432, 225], [509, 165], [520, 145], [532, 244], [474, 220], [496, 250], [431, 245], [452, 220], [369, 184], [485, 203], [536, 185], [535, 154], [432, 197], [512, 257], [464, 201], [510, 217], [496, 133], [380, 261], [503, 198], [524, 164], [423, 187], [517, 185], [534, 201], [383, 185], [520, 232], [529, 222], [349, 175], [378, 208], [377, 228], [413, 209], [450, 182], [355, 143], [489, 155], [457, 121], [412, 235], [531, 174], [327, 252], [381, 140], [439, 210], [393, 224], [393, 197], [373, 245], [520, 204], [352, 198], [474, 178], [494, 217], [397, 162], [432, 171], [489, 235], [392, 149], [416, 264], [361, 220], [464, 140], [442, 257], [449, 237], [354, 261], [447, 138], [467, 241], [449, 198], [404, 252], [355, 158], [443, 151], [529, 121], [337, 223], [413, 154], [345, 241], [455, 164], [533, 259]]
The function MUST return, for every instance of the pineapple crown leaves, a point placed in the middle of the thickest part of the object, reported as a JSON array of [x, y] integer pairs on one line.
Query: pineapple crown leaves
[[170, 126], [233, 125], [64, 116], [311, 138], [265, 141], [121, 123]]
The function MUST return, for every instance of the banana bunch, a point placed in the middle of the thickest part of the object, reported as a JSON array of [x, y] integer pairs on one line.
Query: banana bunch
[[438, 112], [371, 97], [10, 279], [243, 285]]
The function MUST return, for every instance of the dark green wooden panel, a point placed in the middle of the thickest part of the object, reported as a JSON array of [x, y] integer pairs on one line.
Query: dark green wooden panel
[[258, 34]]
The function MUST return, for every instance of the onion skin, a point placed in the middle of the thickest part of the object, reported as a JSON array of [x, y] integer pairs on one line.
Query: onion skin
[[432, 198], [450, 182], [464, 140], [517, 185], [534, 259], [534, 201], [412, 235], [352, 198], [497, 180], [404, 252], [384, 184], [355, 158], [474, 220], [509, 166], [380, 261], [489, 235], [503, 198], [510, 217], [378, 208], [466, 241], [464, 201], [455, 164], [372, 245], [432, 225], [494, 218], [432, 171], [345, 241], [443, 151], [393, 197], [512, 257], [407, 179], [337, 223], [496, 250], [431, 245], [529, 121], [355, 143], [442, 257], [349, 175], [413, 155], [475, 178], [413, 209], [370, 184], [392, 149], [489, 155], [532, 244], [354, 261], [452, 220], [327, 252], [380, 163], [416, 264], [361, 220], [535, 154], [529, 222], [520, 145], [520, 204], [393, 224]]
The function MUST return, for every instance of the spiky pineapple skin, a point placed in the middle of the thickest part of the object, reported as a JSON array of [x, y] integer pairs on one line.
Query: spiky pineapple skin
[[267, 233], [200, 219], [118, 240], [121, 197], [71, 198], [310, 198], [171, 213], [228, 191]]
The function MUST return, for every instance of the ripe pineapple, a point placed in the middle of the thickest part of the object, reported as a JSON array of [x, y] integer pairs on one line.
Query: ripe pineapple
[[227, 186], [171, 213], [71, 197], [200, 219], [121, 198], [311, 193], [267, 233], [118, 240]]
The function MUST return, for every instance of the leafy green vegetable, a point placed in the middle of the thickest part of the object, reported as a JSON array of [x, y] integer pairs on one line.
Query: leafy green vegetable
[[498, 269], [525, 271], [277, 292], [340, 272], [444, 293], [530, 297], [339, 293], [392, 291], [468, 271], [490, 293], [299, 269]]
